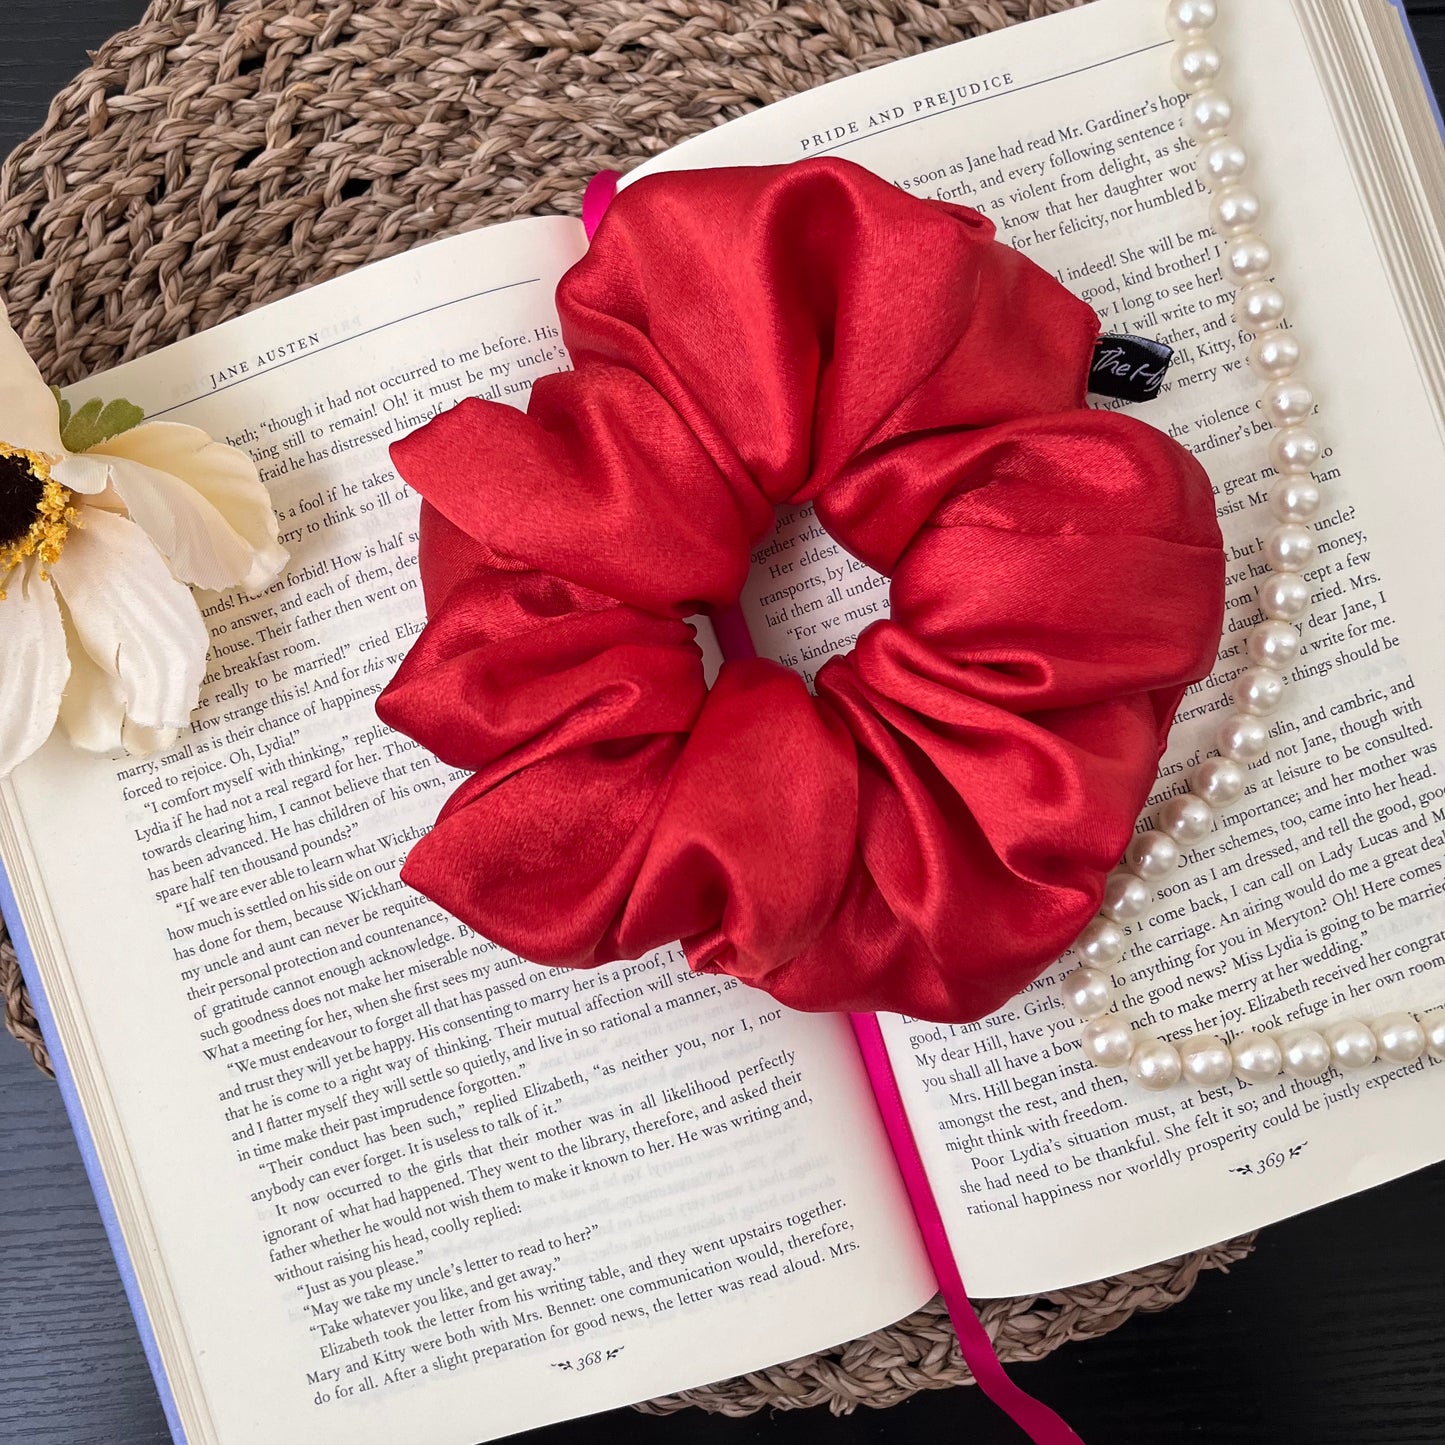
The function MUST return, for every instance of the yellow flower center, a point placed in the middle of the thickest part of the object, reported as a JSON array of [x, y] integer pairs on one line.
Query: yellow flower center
[[35, 511]]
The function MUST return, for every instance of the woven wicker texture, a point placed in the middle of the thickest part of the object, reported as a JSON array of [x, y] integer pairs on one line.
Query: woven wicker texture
[[221, 155]]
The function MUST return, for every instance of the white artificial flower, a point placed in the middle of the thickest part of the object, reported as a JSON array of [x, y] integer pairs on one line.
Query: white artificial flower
[[100, 545]]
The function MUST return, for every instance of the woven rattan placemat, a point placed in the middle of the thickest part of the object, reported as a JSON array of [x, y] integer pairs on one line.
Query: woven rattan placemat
[[220, 155]]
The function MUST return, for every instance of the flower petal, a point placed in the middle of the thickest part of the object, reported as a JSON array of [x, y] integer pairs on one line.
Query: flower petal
[[137, 623], [143, 742], [33, 664], [202, 503], [29, 417], [85, 474], [92, 711]]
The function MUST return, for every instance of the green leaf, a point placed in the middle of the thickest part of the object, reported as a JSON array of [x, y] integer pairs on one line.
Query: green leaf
[[62, 406], [95, 423]]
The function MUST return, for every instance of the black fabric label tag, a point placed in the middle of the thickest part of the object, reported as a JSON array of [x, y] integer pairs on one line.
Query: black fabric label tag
[[1129, 368]]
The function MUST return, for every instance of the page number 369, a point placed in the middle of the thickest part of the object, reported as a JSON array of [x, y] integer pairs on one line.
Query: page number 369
[[1276, 1159]]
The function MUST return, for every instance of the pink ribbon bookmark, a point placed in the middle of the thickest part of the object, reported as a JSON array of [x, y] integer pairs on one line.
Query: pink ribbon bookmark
[[1038, 1422], [596, 199]]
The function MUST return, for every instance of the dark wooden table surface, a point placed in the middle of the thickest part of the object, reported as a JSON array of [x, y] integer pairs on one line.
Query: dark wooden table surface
[[1332, 1333]]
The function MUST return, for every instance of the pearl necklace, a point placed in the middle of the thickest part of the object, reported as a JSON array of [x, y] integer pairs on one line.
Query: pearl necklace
[[1203, 1061]]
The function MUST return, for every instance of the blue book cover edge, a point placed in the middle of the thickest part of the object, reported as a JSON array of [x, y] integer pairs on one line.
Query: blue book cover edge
[[1429, 89], [10, 909], [66, 1082]]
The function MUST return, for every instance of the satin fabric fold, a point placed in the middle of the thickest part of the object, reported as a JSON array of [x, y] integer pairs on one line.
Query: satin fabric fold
[[932, 826]]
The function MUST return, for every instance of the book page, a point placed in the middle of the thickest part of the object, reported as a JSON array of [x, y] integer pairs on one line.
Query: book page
[[1322, 897], [419, 1188]]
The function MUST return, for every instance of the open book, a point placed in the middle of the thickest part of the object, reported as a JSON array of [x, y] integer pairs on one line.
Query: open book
[[370, 1178]]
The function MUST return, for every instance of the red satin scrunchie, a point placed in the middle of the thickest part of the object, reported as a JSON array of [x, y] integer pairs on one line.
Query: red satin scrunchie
[[933, 828]]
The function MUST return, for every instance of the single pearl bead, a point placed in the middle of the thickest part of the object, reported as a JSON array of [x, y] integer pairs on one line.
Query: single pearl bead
[[1306, 1053], [1101, 942], [1257, 1058], [1434, 1026], [1259, 306], [1156, 1066], [1274, 355], [1108, 1041], [1207, 114], [1258, 690], [1295, 498], [1235, 211], [1189, 18], [1186, 818], [1351, 1043], [1206, 1061], [1222, 162], [1399, 1038], [1294, 449], [1284, 597], [1287, 402], [1273, 644], [1289, 548], [1086, 993], [1153, 855], [1219, 781], [1246, 258], [1126, 897], [1196, 65], [1242, 738]]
